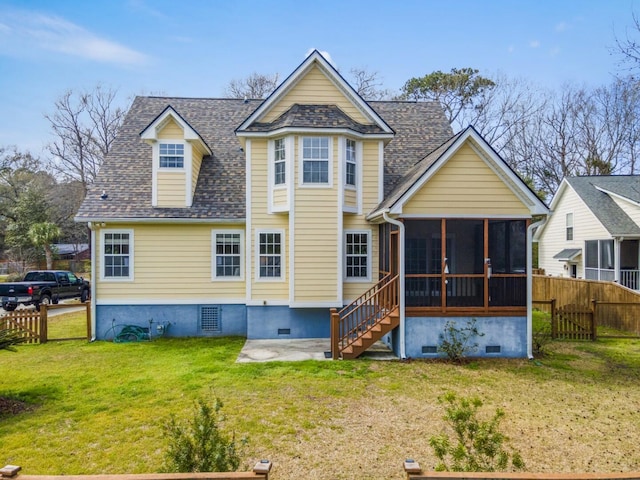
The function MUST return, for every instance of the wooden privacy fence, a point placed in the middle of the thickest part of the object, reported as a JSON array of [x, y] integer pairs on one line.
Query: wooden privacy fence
[[572, 322], [612, 305], [260, 471], [35, 325]]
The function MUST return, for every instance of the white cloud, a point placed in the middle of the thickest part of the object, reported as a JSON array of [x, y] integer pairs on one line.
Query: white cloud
[[324, 53], [534, 43], [562, 26], [511, 49], [26, 33]]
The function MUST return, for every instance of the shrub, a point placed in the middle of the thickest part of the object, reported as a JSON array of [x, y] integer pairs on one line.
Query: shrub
[[541, 336], [456, 342], [9, 337], [199, 445], [477, 446]]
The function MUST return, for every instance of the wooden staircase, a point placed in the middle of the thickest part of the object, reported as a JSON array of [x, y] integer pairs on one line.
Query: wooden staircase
[[366, 320]]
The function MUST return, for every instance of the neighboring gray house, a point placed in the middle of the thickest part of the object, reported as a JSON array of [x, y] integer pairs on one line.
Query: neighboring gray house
[[594, 230]]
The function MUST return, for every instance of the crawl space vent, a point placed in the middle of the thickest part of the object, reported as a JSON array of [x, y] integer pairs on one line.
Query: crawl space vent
[[429, 349], [284, 331], [493, 349], [210, 319]]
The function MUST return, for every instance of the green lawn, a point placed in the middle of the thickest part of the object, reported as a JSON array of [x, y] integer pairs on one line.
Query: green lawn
[[100, 407]]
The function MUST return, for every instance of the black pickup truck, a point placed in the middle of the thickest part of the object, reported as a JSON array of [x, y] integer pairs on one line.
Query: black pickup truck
[[43, 287]]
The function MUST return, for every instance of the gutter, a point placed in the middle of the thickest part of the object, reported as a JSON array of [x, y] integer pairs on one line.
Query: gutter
[[530, 230], [400, 225], [92, 308]]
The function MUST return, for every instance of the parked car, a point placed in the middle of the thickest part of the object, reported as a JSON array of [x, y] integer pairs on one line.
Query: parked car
[[43, 287]]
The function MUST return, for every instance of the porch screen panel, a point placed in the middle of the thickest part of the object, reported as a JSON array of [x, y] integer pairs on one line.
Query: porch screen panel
[[465, 262], [508, 255], [423, 263]]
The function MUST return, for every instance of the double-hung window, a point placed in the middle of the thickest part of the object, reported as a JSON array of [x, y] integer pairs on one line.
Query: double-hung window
[[270, 255], [171, 155], [315, 160], [569, 226], [350, 165], [117, 255], [279, 162], [228, 255], [357, 256]]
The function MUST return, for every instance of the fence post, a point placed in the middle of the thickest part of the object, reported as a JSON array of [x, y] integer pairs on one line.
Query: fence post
[[594, 322], [554, 321], [335, 333], [44, 320]]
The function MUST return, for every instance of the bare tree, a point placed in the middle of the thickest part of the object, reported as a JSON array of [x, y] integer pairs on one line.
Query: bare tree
[[85, 125], [255, 85], [368, 84], [628, 47]]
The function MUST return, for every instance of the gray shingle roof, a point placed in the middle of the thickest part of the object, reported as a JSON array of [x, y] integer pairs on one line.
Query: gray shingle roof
[[314, 116], [220, 191], [612, 217]]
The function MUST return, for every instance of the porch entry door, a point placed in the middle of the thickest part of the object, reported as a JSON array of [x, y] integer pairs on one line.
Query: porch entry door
[[445, 263]]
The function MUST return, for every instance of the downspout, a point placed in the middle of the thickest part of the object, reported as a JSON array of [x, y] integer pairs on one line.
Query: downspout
[[400, 226], [530, 230], [93, 282]]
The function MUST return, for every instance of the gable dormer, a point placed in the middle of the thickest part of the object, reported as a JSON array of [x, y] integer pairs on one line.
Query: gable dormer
[[177, 152], [318, 135]]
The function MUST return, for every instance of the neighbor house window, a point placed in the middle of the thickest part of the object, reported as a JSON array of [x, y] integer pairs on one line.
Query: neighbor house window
[[357, 255], [270, 255], [171, 155], [228, 255], [350, 166], [315, 160], [117, 258], [279, 165], [569, 224]]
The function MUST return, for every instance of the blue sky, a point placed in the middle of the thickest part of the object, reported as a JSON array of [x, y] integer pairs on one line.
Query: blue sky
[[194, 48]]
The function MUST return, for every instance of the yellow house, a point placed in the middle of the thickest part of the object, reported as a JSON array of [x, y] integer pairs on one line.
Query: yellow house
[[313, 213]]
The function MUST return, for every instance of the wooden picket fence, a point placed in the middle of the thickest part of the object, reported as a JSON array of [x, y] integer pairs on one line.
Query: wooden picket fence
[[586, 304], [34, 325]]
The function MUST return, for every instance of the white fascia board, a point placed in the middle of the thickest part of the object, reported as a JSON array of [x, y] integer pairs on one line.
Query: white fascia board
[[150, 133], [324, 131], [505, 216], [147, 220]]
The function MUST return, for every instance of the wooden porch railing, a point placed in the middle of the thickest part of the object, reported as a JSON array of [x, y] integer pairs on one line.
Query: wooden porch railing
[[357, 318]]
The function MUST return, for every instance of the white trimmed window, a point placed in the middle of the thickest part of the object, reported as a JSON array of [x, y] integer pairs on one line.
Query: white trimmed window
[[357, 255], [171, 155], [315, 160], [117, 255], [350, 163], [270, 255], [227, 258], [569, 225], [279, 162]]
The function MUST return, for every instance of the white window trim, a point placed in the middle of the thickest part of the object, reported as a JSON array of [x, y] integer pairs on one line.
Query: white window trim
[[355, 162], [103, 277], [369, 257], [184, 156], [214, 276], [567, 226], [301, 181], [282, 276], [271, 182]]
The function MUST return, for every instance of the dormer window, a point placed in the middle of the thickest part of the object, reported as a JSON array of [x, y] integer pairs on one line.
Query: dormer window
[[171, 155], [350, 167], [279, 162]]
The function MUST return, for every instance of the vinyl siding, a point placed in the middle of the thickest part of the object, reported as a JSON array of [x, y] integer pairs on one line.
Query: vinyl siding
[[465, 185], [171, 189], [195, 167], [553, 239], [171, 131], [170, 262], [350, 197], [280, 196], [315, 88], [265, 290]]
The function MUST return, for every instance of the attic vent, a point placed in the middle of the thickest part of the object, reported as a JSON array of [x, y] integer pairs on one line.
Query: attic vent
[[210, 319], [429, 349], [492, 349]]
